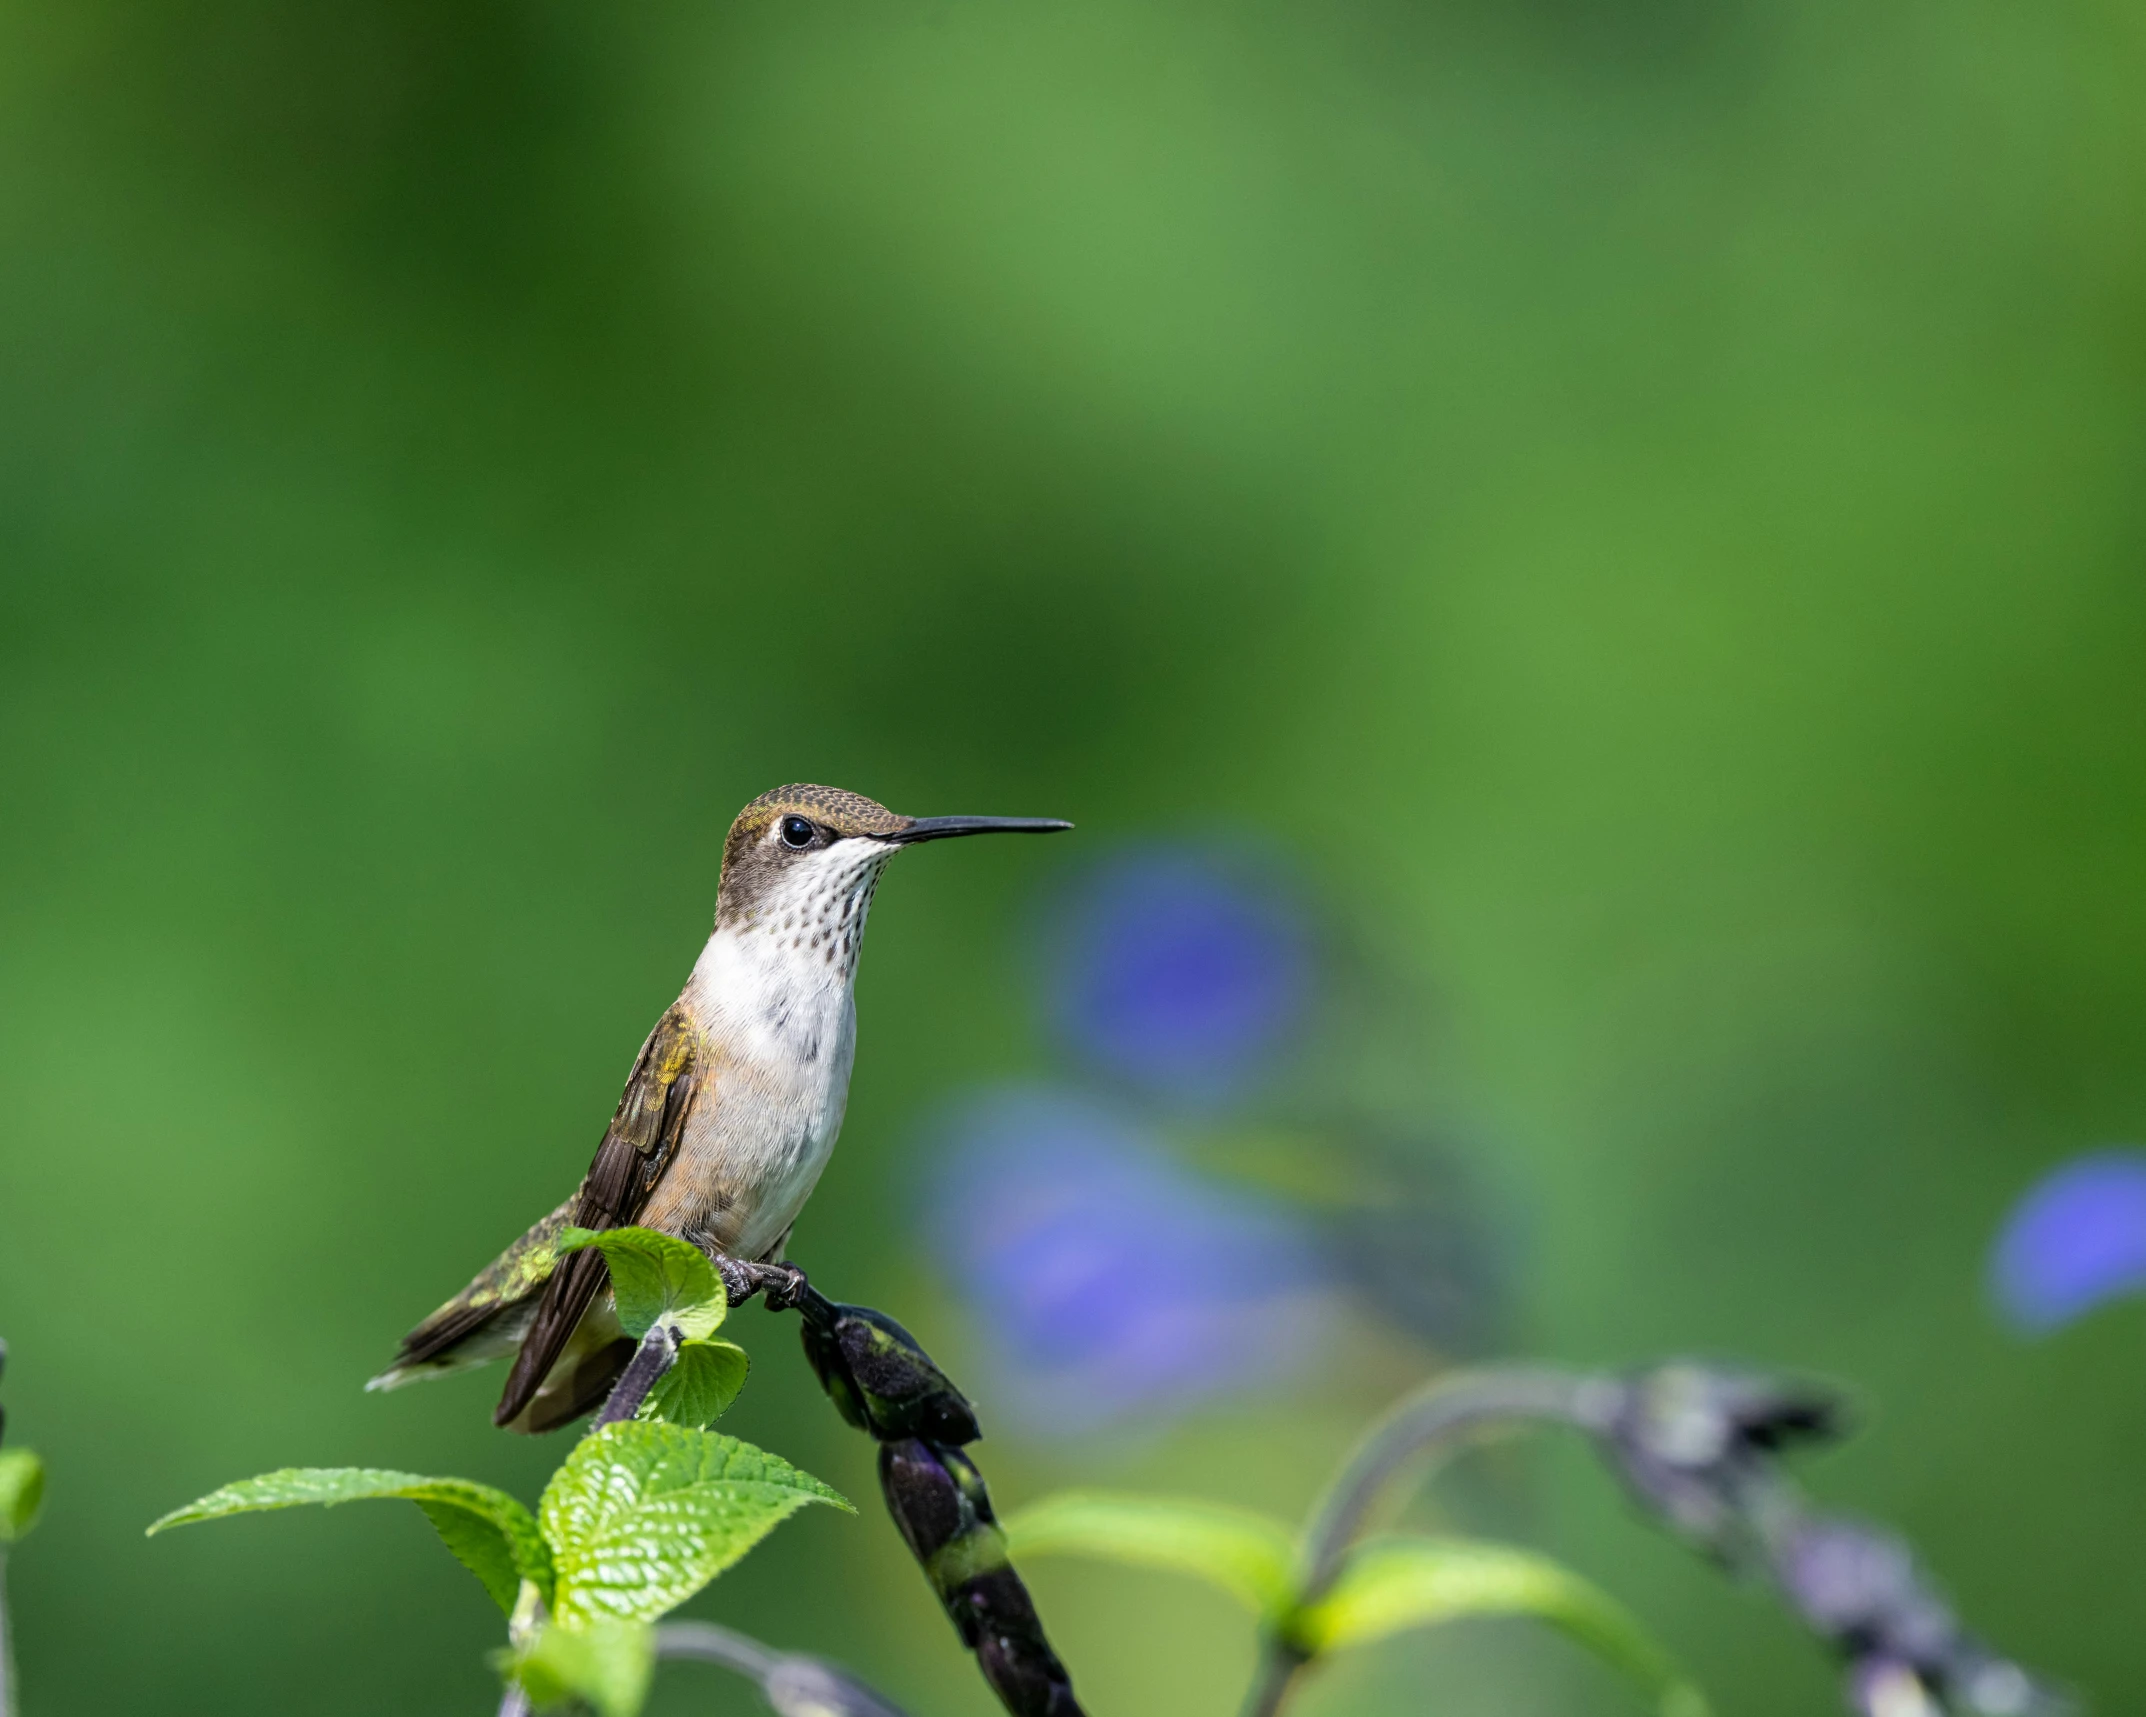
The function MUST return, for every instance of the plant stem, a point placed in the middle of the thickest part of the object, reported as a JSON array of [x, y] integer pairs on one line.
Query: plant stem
[[514, 1702], [1465, 1404], [788, 1682], [704, 1642], [1448, 1410], [659, 1347]]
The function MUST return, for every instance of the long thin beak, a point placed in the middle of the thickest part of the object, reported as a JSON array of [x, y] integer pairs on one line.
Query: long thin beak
[[946, 828]]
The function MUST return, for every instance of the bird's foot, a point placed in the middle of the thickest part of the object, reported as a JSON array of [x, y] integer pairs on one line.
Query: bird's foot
[[738, 1283], [784, 1285]]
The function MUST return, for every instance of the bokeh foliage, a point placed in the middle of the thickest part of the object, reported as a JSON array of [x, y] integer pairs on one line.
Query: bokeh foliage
[[1643, 496]]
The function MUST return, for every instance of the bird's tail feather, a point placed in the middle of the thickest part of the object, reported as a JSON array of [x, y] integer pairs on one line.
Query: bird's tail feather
[[487, 1319]]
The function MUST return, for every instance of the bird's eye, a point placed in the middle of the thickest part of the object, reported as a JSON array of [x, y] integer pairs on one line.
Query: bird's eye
[[796, 832]]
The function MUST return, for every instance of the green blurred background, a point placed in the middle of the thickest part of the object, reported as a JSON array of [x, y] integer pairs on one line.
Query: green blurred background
[[1642, 499]]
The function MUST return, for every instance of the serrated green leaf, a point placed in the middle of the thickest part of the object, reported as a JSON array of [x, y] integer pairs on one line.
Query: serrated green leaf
[[22, 1491], [1392, 1584], [641, 1516], [606, 1665], [1248, 1555], [656, 1278], [704, 1379], [490, 1534]]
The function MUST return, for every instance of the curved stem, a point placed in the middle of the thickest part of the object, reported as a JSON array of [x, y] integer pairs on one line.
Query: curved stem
[[1278, 1667], [1454, 1407], [1463, 1405], [788, 1681], [704, 1642]]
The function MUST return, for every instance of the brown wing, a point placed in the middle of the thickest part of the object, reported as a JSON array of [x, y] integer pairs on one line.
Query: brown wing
[[637, 1148]]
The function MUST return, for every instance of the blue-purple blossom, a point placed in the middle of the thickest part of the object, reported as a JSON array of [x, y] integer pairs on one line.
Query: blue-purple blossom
[[2076, 1239], [1112, 1283], [1180, 971]]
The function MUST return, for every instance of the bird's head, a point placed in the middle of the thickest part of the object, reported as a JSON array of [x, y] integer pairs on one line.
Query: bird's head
[[803, 860]]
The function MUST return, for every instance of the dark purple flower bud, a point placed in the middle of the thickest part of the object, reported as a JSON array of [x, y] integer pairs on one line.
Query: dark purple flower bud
[[938, 1499], [925, 1499], [1026, 1675], [883, 1382]]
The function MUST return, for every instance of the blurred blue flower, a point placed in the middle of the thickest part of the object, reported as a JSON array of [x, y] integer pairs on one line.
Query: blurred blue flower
[[2077, 1238], [1112, 1283], [1180, 971]]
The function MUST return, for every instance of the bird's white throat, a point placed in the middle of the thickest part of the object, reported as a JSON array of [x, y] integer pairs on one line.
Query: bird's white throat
[[777, 987]]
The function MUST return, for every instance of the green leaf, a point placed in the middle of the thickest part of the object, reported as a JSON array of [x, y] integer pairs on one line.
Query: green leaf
[[1246, 1554], [704, 1379], [641, 1516], [491, 1534], [22, 1490], [606, 1665], [655, 1278], [1392, 1584]]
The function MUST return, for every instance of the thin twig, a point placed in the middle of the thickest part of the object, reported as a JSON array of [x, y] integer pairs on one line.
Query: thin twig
[[705, 1642], [792, 1684], [655, 1355], [658, 1349]]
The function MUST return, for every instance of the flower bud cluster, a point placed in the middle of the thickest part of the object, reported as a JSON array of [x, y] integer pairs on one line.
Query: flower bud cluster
[[1908, 1656], [1701, 1447], [884, 1383], [938, 1499]]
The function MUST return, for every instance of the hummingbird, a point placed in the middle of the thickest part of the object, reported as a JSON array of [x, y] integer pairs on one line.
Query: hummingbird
[[730, 1112]]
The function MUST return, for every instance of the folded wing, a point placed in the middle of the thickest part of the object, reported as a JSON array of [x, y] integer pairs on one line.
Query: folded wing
[[638, 1147]]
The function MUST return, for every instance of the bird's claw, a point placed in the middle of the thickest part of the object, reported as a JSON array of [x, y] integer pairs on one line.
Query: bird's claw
[[784, 1285]]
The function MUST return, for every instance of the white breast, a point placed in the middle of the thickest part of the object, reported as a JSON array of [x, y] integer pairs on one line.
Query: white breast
[[777, 997]]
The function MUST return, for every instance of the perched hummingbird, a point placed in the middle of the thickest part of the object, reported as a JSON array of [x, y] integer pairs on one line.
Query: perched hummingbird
[[730, 1112]]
